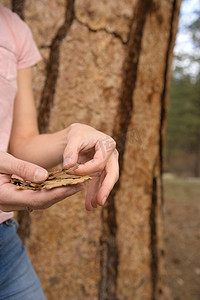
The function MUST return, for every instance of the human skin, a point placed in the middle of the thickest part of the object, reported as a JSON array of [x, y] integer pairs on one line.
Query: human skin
[[31, 153]]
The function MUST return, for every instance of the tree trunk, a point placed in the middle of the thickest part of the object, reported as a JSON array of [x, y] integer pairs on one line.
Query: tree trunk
[[106, 64]]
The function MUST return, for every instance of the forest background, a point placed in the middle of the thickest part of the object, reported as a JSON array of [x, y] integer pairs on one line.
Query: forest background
[[183, 134], [182, 160]]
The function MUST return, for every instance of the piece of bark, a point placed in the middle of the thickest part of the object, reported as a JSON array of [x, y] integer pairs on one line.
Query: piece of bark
[[55, 179]]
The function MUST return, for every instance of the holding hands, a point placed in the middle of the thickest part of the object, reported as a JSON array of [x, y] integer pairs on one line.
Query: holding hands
[[93, 150], [13, 199]]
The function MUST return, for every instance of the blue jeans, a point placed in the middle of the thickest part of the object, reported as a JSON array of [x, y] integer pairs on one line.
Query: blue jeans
[[18, 280]]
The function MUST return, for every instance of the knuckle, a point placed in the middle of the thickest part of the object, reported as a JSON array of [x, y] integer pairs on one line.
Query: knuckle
[[22, 168], [99, 168], [114, 144], [73, 125], [117, 177], [118, 172], [116, 153]]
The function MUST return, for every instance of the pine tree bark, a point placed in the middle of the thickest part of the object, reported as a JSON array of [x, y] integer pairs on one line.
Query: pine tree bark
[[107, 64]]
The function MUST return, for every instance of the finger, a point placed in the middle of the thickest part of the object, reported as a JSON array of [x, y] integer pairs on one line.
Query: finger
[[36, 199], [11, 165], [61, 193], [93, 190], [112, 176], [102, 154], [91, 198], [70, 155]]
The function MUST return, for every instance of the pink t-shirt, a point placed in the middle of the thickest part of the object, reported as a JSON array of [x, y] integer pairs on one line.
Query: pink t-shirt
[[17, 51]]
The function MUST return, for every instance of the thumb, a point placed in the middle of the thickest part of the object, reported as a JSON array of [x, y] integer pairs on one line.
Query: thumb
[[28, 171]]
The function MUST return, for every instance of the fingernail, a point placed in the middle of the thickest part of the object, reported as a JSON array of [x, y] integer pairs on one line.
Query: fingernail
[[67, 161], [104, 200], [40, 175], [71, 173]]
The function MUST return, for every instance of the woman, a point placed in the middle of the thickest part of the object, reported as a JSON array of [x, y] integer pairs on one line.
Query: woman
[[26, 153]]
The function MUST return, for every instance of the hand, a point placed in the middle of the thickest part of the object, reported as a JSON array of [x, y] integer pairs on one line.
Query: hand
[[12, 199], [98, 157]]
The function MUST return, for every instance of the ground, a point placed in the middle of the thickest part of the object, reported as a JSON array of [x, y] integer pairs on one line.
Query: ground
[[182, 237]]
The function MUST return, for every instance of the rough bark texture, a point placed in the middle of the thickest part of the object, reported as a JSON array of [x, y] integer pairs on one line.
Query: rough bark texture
[[107, 64]]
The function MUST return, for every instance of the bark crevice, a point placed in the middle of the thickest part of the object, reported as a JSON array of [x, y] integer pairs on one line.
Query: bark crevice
[[153, 239], [52, 69], [113, 33], [109, 257], [154, 265], [18, 7], [175, 11], [24, 229]]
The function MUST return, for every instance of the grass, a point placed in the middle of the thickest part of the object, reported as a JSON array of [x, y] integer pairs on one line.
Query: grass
[[182, 237], [181, 188]]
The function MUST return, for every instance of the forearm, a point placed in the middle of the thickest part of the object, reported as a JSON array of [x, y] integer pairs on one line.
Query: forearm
[[45, 150]]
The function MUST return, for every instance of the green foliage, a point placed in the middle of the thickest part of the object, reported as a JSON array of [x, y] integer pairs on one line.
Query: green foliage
[[183, 130], [183, 115], [195, 28]]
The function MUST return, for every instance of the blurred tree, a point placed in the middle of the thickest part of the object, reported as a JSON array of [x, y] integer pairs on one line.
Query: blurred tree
[[183, 134], [195, 29]]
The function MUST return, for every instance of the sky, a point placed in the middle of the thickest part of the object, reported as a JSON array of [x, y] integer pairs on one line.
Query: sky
[[184, 44]]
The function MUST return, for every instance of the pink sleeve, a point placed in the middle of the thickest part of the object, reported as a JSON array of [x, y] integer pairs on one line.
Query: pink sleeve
[[28, 53]]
